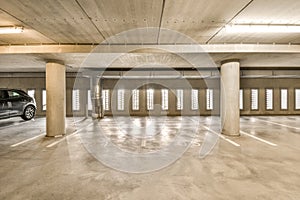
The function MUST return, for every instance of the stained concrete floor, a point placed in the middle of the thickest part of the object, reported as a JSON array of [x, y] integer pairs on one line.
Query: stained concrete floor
[[263, 163]]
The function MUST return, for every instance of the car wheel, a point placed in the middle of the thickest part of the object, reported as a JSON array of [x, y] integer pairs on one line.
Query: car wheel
[[29, 113]]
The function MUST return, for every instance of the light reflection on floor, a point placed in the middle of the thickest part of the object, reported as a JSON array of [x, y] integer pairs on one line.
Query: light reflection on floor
[[148, 134]]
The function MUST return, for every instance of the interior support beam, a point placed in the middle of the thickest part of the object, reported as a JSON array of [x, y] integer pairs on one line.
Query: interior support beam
[[56, 99], [230, 88], [126, 48]]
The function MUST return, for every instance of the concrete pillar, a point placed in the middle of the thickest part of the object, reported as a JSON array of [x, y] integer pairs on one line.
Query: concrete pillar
[[230, 87], [96, 97], [143, 99], [56, 99]]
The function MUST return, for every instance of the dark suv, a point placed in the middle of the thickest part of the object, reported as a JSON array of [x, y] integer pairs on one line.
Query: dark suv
[[15, 102]]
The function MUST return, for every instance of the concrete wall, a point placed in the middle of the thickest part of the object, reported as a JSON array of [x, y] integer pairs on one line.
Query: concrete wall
[[270, 83], [38, 83], [199, 84]]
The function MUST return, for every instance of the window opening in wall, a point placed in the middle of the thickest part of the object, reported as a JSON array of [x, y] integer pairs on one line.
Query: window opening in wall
[[135, 99], [105, 99], [89, 99], [44, 100], [164, 99], [31, 93], [179, 96], [75, 100], [241, 99], [194, 99], [254, 99], [269, 99], [209, 99], [297, 99], [121, 94], [150, 98], [283, 99]]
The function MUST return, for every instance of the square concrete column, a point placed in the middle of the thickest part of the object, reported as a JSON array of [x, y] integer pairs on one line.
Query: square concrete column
[[230, 88], [56, 99]]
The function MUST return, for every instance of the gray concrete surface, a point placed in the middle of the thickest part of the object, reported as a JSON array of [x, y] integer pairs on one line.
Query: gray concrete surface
[[56, 99], [230, 107], [37, 81], [61, 168]]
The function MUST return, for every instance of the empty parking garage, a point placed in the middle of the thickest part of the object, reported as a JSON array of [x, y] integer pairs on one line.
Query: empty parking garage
[[154, 99]]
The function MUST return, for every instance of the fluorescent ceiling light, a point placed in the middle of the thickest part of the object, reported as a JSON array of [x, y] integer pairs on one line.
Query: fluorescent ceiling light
[[241, 28], [11, 29]]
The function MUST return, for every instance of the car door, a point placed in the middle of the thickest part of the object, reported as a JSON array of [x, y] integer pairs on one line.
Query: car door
[[4, 110], [15, 103]]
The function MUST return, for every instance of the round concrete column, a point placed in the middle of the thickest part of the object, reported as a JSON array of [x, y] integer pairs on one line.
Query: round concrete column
[[96, 96], [56, 99], [230, 87]]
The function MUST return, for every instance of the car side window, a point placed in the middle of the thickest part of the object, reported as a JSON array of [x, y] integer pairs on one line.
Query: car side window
[[13, 94], [3, 94]]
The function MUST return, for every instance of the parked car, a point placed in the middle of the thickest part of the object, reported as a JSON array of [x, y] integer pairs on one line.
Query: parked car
[[15, 102]]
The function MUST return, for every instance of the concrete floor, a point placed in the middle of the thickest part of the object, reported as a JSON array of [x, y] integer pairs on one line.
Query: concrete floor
[[263, 163]]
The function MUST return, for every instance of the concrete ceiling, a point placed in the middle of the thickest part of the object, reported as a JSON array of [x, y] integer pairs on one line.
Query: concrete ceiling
[[79, 22]]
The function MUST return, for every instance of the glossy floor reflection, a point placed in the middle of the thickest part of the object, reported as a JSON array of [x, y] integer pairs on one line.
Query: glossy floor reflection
[[148, 134], [62, 168]]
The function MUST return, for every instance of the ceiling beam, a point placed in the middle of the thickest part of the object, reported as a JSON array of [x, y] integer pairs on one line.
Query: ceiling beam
[[208, 48]]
